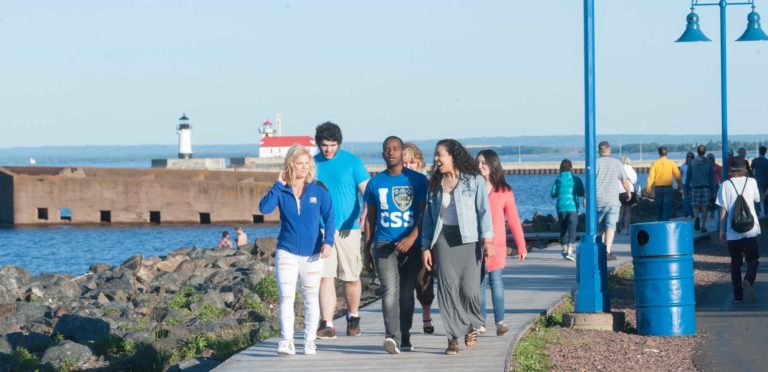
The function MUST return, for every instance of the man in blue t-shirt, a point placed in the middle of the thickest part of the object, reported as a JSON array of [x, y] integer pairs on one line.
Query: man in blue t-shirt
[[346, 177], [395, 200]]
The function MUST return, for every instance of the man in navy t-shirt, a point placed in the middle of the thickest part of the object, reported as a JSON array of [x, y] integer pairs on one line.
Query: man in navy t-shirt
[[395, 200]]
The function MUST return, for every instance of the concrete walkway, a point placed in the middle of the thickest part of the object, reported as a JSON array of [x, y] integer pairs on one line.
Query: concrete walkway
[[733, 336], [531, 288]]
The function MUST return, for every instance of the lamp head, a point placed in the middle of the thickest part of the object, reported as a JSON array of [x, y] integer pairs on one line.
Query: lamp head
[[753, 32], [692, 30]]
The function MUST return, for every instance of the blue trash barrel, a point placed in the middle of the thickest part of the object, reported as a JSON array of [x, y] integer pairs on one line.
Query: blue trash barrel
[[662, 254]]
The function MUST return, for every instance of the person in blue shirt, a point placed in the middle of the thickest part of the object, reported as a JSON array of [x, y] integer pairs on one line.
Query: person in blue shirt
[[302, 245], [395, 200], [346, 177]]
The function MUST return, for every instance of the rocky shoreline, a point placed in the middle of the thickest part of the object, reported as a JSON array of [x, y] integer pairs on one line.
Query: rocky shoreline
[[192, 307]]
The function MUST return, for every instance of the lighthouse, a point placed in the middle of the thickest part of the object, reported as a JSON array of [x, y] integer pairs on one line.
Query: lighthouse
[[184, 131]]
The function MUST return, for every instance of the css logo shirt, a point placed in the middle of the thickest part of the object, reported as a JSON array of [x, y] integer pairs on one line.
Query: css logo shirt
[[397, 201]]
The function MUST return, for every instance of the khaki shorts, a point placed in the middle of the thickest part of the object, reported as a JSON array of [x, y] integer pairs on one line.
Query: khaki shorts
[[345, 261]]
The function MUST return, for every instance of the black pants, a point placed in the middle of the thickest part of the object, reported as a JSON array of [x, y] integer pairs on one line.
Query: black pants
[[568, 223], [740, 250]]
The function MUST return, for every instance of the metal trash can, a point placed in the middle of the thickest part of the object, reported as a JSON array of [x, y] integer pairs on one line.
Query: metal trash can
[[662, 254]]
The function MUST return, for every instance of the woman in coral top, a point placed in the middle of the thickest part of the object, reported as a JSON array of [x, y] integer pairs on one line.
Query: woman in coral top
[[502, 203]]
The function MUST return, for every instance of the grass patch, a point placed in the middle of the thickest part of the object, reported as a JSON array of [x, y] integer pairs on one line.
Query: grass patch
[[21, 360], [530, 353], [622, 276], [209, 312], [267, 288]]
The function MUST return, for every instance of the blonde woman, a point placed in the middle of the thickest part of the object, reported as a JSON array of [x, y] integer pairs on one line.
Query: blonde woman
[[305, 206], [413, 159]]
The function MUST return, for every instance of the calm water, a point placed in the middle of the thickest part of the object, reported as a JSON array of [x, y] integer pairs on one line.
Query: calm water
[[72, 249]]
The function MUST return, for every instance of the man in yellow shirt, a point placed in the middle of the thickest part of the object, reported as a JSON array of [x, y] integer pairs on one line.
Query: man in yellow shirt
[[660, 177]]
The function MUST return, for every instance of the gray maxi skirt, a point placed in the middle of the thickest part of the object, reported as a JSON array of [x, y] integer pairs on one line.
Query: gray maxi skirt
[[458, 281]]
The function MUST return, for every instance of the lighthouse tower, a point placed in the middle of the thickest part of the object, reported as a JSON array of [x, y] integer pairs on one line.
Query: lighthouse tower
[[267, 130], [185, 137]]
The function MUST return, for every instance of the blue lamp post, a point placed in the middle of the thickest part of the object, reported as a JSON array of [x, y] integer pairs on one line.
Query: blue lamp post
[[693, 33], [591, 295]]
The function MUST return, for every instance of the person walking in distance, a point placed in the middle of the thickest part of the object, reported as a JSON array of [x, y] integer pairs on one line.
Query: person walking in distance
[[700, 181], [302, 245], [457, 218], [610, 173], [346, 177], [717, 176], [395, 199], [502, 202], [627, 200], [567, 190], [661, 179], [741, 246], [760, 172], [687, 208], [413, 159]]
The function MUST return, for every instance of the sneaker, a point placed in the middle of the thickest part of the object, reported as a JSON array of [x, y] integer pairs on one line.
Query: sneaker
[[738, 300], [407, 346], [748, 291], [570, 256], [353, 326], [481, 330], [285, 347], [564, 254], [324, 332], [390, 346], [611, 257], [501, 328], [696, 224], [310, 348]]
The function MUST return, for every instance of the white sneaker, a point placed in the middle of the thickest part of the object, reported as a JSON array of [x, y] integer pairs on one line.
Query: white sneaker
[[749, 293], [391, 346], [570, 256], [481, 330], [285, 347], [309, 347]]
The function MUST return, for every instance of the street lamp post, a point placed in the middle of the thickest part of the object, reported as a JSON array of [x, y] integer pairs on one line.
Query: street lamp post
[[591, 295], [693, 34]]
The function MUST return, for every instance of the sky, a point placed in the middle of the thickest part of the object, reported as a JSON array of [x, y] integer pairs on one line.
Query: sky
[[122, 72]]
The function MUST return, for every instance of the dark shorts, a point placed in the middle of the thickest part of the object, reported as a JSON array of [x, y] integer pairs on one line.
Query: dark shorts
[[624, 201], [700, 196]]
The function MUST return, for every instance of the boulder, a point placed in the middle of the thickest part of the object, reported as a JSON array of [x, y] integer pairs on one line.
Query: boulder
[[5, 345], [82, 329], [65, 353], [166, 283], [217, 279], [186, 269], [33, 341], [171, 263], [98, 267], [138, 337], [14, 279], [6, 296], [145, 275], [133, 263], [14, 316], [61, 291]]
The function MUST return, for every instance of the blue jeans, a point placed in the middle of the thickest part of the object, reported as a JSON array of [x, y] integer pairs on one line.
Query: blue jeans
[[664, 196], [497, 294]]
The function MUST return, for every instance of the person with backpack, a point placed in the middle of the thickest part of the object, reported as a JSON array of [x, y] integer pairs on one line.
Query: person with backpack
[[740, 228]]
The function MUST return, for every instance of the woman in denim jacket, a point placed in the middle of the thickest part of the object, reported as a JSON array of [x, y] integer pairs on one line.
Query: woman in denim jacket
[[457, 216]]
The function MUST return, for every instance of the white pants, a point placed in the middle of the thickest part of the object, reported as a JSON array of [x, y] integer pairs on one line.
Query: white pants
[[289, 268]]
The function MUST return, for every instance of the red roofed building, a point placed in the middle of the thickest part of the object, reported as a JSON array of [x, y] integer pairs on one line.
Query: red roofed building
[[277, 147]]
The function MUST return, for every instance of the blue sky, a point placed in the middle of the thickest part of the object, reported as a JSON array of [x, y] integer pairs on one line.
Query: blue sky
[[122, 72]]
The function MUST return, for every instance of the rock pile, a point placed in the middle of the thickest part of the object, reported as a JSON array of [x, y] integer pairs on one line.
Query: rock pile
[[146, 313]]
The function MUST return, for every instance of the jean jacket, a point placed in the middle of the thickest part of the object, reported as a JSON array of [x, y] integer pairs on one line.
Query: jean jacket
[[472, 208]]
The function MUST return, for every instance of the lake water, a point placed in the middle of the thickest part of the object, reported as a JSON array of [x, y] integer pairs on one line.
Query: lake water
[[72, 249]]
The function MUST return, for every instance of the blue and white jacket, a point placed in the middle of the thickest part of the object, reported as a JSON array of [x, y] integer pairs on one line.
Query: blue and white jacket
[[300, 231]]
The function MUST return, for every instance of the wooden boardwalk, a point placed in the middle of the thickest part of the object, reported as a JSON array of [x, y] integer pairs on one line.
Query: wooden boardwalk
[[531, 288]]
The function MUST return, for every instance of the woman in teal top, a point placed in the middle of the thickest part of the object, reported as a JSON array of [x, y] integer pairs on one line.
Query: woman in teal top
[[567, 189]]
